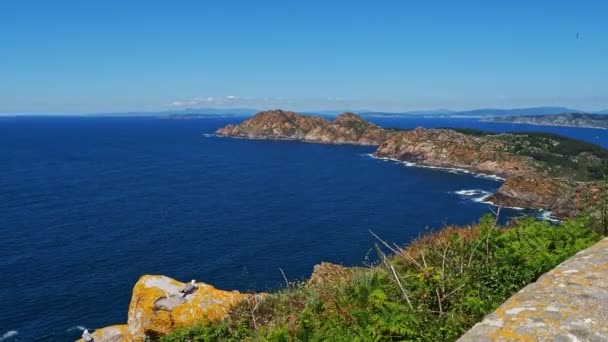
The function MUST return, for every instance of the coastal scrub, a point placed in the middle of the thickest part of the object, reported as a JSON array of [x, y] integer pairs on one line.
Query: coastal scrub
[[435, 289]]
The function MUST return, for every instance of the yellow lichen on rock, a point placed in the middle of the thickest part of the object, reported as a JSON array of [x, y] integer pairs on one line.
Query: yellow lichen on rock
[[157, 306], [114, 333]]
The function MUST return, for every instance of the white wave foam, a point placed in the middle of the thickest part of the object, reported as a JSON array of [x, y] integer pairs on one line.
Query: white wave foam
[[469, 192], [209, 135], [475, 195], [502, 206], [78, 327], [8, 335], [548, 216], [454, 170]]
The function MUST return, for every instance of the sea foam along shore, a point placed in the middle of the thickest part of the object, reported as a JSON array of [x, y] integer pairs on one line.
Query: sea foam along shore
[[440, 168], [479, 196], [475, 195]]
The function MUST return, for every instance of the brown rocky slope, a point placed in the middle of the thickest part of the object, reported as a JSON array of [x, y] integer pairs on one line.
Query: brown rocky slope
[[347, 128]]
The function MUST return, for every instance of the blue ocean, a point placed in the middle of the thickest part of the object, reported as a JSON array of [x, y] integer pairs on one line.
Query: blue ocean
[[89, 204]]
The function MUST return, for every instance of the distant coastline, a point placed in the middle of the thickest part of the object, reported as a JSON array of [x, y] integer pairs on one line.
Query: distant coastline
[[597, 121]]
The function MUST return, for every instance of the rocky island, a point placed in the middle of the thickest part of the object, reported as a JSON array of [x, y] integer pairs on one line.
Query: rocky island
[[543, 171], [566, 120]]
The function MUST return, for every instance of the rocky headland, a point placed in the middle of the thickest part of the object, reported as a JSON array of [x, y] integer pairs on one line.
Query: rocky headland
[[542, 171], [347, 128]]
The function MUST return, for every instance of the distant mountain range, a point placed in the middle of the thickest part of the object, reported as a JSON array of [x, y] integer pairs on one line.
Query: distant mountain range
[[566, 119], [475, 113]]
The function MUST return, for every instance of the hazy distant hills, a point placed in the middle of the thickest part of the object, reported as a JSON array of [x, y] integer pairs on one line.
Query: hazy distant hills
[[476, 113], [565, 119]]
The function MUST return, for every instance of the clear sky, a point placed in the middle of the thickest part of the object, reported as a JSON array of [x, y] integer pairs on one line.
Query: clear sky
[[103, 56]]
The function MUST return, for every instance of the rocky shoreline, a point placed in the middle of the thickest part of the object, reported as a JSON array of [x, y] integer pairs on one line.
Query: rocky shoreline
[[529, 183]]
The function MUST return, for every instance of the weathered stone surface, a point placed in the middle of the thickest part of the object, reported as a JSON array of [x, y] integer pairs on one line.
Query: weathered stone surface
[[328, 273], [569, 303], [115, 333], [157, 306]]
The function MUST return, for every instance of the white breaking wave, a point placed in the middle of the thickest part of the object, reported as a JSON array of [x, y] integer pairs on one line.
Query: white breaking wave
[[78, 327], [480, 196], [470, 192], [548, 216], [8, 335], [209, 135], [475, 195], [455, 170]]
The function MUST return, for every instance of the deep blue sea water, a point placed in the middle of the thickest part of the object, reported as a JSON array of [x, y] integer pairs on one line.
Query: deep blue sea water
[[87, 205]]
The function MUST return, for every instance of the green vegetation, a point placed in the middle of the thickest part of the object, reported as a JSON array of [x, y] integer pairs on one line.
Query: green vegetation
[[433, 290], [561, 156]]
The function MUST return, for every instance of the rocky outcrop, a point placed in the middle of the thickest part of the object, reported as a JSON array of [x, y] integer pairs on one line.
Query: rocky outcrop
[[564, 198], [448, 148], [157, 307], [328, 273], [347, 128], [566, 304]]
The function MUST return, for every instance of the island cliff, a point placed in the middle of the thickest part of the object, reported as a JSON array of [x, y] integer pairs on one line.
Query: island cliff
[[542, 171], [347, 128]]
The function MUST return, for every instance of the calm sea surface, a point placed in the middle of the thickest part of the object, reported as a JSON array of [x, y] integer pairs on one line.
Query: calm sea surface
[[87, 205]]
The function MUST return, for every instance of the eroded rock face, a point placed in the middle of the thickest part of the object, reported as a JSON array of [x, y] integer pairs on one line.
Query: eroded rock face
[[347, 128], [564, 198], [328, 273], [448, 148], [532, 192], [157, 306]]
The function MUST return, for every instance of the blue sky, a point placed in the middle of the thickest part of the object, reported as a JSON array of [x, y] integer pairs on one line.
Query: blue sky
[[105, 56]]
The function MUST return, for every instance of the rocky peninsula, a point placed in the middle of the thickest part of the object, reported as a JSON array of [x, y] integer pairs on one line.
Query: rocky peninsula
[[542, 171]]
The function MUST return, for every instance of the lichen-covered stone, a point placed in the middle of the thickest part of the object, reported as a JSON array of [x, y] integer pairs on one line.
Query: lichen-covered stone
[[115, 333], [569, 303], [157, 305]]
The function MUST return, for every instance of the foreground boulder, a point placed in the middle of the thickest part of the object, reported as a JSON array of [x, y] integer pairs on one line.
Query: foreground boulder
[[157, 306]]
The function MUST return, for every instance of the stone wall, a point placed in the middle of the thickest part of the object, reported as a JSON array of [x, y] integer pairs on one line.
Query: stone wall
[[569, 303]]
